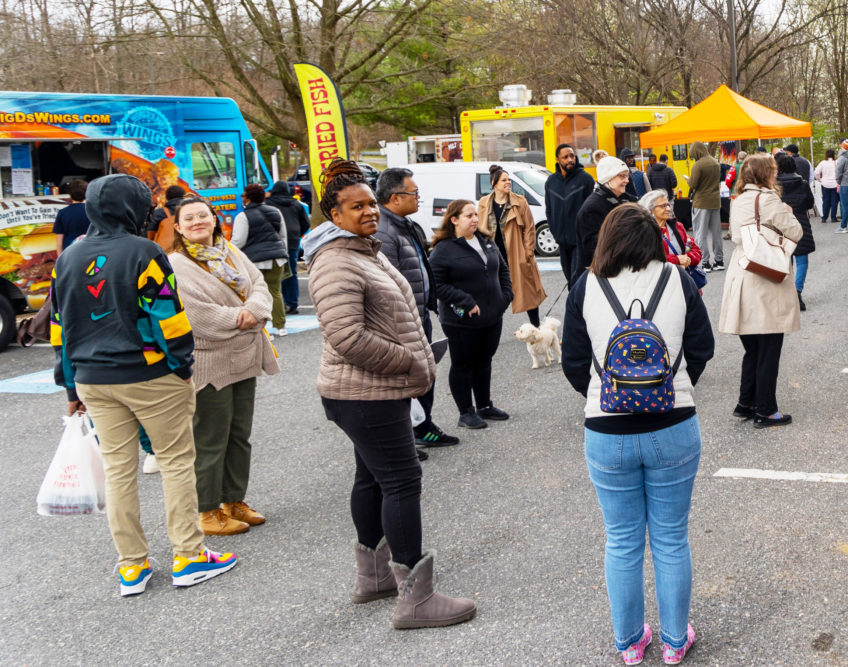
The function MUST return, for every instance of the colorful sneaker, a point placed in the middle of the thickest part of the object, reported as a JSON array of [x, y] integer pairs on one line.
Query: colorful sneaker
[[134, 578], [634, 654], [191, 571], [674, 656], [433, 436]]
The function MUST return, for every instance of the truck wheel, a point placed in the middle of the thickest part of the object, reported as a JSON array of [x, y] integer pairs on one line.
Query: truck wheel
[[8, 323], [546, 245]]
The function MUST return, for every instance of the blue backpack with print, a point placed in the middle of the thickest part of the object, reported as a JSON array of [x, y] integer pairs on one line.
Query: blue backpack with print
[[637, 376]]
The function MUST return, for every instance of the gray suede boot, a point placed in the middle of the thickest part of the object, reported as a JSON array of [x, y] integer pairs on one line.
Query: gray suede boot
[[374, 579], [418, 606]]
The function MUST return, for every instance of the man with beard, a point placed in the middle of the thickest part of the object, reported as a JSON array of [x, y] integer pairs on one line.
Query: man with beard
[[565, 192]]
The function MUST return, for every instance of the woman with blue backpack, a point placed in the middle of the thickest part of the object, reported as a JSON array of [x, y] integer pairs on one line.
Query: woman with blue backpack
[[636, 339]]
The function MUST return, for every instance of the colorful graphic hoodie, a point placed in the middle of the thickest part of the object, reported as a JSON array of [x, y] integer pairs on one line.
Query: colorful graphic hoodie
[[116, 316]]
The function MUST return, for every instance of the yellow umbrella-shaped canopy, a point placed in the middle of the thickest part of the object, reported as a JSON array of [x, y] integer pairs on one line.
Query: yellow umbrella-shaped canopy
[[725, 116]]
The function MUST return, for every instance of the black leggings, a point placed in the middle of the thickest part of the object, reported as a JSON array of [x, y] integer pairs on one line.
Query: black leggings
[[386, 495], [760, 367], [471, 352]]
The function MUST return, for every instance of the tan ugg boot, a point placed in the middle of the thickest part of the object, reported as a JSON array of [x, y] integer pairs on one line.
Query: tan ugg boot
[[374, 578], [418, 606], [216, 522]]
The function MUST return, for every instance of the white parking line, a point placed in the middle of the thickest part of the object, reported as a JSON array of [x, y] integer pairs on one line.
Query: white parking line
[[755, 473]]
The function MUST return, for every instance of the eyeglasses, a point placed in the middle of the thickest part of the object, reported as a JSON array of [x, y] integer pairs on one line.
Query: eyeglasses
[[666, 205], [414, 193]]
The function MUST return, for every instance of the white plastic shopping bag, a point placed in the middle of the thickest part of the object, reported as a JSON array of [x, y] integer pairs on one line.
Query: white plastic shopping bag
[[416, 412], [75, 482]]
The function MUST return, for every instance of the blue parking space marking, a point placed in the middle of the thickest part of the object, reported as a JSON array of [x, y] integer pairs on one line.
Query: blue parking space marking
[[549, 265], [298, 323], [34, 383]]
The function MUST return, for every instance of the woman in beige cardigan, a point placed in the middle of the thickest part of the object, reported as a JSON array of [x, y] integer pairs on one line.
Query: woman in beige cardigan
[[758, 310], [375, 357], [506, 217], [227, 303]]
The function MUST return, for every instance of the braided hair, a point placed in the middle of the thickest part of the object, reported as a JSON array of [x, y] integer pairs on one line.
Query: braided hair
[[337, 176]]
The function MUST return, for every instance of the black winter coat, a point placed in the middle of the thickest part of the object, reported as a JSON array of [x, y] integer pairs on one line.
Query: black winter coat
[[399, 237], [294, 215], [464, 281], [797, 193], [263, 238], [592, 215], [563, 199], [662, 176]]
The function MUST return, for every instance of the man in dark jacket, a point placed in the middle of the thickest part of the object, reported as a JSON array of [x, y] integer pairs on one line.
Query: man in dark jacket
[[663, 177], [297, 224], [173, 196], [613, 176], [802, 165], [638, 184], [124, 352], [565, 192], [405, 246]]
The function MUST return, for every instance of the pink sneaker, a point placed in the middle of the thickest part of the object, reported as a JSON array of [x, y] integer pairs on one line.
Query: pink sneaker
[[674, 656], [634, 654]]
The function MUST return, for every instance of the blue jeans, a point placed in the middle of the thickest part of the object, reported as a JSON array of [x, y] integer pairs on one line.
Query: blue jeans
[[830, 200], [291, 290], [801, 264], [646, 479], [843, 205]]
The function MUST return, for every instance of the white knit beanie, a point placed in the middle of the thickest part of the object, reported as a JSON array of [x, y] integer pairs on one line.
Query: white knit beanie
[[608, 168]]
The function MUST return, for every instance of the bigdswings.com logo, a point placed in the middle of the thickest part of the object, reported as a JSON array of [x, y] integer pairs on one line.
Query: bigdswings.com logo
[[150, 129]]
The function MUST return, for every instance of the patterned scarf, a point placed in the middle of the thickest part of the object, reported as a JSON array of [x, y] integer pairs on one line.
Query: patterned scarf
[[215, 258]]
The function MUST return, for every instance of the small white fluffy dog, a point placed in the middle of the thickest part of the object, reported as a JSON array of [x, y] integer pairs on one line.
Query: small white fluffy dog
[[542, 342]]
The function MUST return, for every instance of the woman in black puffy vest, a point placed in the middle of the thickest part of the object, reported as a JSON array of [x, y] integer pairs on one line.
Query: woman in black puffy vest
[[260, 234]]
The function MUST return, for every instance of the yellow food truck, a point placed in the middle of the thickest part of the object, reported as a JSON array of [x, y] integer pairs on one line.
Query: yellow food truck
[[532, 133]]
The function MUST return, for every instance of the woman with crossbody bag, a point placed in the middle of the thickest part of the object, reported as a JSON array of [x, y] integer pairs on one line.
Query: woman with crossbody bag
[[643, 441], [755, 305]]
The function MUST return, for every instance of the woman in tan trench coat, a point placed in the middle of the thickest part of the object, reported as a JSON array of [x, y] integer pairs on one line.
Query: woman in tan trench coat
[[506, 217], [758, 310]]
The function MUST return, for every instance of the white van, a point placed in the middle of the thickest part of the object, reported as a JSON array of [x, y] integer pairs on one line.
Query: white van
[[442, 182]]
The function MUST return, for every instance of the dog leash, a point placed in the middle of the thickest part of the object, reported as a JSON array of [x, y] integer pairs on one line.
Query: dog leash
[[557, 299]]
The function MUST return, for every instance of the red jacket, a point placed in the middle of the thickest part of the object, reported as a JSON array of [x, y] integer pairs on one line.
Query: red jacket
[[682, 240]]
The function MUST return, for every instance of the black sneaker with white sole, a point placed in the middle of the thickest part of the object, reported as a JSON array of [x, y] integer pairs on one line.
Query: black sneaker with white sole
[[707, 267], [718, 266]]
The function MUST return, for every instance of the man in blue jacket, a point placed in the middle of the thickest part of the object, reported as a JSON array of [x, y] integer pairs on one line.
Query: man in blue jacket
[[124, 352], [565, 192]]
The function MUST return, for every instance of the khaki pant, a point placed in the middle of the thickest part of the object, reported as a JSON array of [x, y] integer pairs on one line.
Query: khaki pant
[[164, 407], [273, 279]]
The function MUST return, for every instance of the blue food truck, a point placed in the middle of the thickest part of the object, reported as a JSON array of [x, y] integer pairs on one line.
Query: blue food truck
[[48, 139]]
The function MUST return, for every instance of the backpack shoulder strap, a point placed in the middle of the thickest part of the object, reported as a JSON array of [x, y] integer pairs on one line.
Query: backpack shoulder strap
[[657, 293], [612, 298]]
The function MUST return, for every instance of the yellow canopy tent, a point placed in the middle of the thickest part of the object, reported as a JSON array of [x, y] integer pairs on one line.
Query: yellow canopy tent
[[725, 116]]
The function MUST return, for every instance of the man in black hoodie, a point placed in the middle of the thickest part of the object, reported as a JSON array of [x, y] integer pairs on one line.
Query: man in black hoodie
[[565, 192], [297, 224], [124, 351]]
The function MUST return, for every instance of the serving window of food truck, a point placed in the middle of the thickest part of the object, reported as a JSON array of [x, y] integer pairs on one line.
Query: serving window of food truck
[[579, 131], [509, 140], [40, 168]]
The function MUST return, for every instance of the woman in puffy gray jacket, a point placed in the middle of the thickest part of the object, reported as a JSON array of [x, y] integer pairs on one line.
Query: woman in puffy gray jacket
[[375, 359]]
